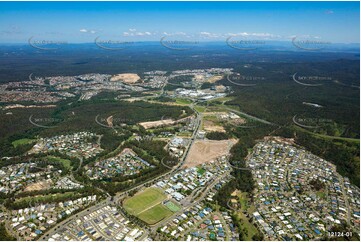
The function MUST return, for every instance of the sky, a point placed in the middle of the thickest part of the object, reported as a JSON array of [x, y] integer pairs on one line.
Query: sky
[[82, 22]]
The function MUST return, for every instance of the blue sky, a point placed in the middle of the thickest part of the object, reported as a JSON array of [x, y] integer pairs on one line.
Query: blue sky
[[79, 22]]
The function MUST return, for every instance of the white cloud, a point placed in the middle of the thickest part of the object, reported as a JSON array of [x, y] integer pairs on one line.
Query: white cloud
[[209, 35], [132, 30], [133, 33], [329, 11], [87, 31]]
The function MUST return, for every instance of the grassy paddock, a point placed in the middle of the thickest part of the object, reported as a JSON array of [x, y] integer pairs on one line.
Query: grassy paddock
[[24, 141]]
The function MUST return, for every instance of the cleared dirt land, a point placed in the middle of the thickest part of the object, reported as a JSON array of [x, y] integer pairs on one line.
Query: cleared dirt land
[[214, 79], [42, 185], [147, 206], [207, 150], [209, 125], [158, 123], [161, 123], [129, 78]]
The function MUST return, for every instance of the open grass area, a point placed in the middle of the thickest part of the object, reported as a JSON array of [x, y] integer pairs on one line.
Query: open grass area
[[172, 207], [321, 194], [49, 198], [155, 214], [243, 199], [66, 163], [200, 109], [249, 229], [184, 134], [144, 200], [221, 99], [183, 101], [24, 141], [201, 170]]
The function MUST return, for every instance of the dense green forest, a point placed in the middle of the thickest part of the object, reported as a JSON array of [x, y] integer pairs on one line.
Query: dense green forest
[[215, 135], [4, 235]]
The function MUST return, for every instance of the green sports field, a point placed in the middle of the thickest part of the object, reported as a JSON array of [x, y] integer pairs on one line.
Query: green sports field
[[144, 200], [147, 206], [155, 214], [172, 207]]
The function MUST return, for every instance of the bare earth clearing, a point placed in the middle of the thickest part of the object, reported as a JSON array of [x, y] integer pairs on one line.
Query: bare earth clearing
[[164, 122], [42, 185], [211, 126], [207, 150], [129, 78]]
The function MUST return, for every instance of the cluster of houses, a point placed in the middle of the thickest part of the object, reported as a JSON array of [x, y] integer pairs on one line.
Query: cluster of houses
[[102, 224], [231, 118], [67, 183], [176, 146], [202, 72], [154, 79], [93, 82], [198, 94], [31, 222], [126, 163], [199, 222], [289, 204], [81, 144], [29, 96], [17, 177], [212, 228], [353, 195]]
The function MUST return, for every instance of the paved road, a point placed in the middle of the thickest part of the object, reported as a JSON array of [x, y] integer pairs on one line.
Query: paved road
[[250, 116]]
